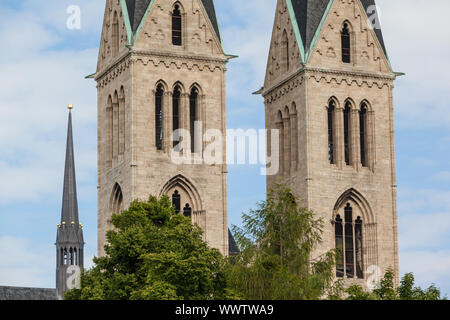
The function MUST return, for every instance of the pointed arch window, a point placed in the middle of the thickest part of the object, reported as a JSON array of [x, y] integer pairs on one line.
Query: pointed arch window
[[347, 132], [346, 45], [176, 201], [330, 114], [187, 211], [176, 111], [349, 240], [193, 109], [159, 117], [117, 199], [363, 134], [177, 26]]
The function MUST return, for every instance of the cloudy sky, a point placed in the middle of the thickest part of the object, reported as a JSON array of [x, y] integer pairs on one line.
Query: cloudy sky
[[42, 69]]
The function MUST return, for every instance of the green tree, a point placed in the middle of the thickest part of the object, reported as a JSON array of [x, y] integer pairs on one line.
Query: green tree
[[277, 241], [156, 255], [386, 290]]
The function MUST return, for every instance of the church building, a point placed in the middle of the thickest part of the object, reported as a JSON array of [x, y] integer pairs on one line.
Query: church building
[[328, 90]]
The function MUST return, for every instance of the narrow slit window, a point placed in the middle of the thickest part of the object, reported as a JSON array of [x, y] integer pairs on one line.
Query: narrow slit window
[[347, 123], [187, 211], [331, 108], [176, 26], [176, 112], [176, 201], [159, 117], [349, 253], [339, 239], [358, 249], [193, 106], [346, 48], [363, 134]]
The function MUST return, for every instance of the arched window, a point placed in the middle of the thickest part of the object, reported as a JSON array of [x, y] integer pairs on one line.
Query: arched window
[[176, 111], [346, 47], [176, 201], [363, 134], [159, 117], [115, 137], [65, 256], [121, 121], [117, 199], [348, 239], [176, 26], [193, 109], [109, 129], [187, 210], [280, 127], [330, 112], [347, 133], [115, 35], [285, 51]]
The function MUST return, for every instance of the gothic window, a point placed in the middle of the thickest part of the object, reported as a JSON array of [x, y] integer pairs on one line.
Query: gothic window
[[347, 124], [75, 256], [117, 199], [115, 135], [280, 127], [193, 109], [121, 121], [176, 111], [187, 211], [339, 240], [159, 117], [71, 256], [176, 201], [109, 129], [330, 112], [65, 258], [348, 239], [363, 134], [345, 39], [115, 35], [176, 26], [285, 51]]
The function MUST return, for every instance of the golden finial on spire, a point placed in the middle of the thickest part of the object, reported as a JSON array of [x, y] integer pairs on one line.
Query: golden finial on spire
[[70, 106]]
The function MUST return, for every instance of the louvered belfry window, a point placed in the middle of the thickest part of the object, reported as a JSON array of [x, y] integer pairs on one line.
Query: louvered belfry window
[[176, 26]]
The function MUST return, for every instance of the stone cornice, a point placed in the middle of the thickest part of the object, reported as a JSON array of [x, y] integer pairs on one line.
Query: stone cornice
[[181, 56]]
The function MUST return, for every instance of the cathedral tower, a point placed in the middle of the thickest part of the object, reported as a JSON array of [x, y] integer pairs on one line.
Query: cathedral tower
[[161, 67], [328, 90], [69, 238]]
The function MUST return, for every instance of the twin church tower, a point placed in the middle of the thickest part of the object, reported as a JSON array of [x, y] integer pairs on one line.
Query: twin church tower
[[328, 90]]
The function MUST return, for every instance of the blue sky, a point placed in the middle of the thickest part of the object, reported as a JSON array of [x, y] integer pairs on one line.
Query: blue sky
[[42, 69]]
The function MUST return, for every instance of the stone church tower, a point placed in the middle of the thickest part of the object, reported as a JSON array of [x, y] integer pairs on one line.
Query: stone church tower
[[161, 67], [328, 90]]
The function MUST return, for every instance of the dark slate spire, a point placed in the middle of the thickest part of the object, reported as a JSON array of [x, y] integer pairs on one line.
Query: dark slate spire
[[309, 14], [69, 237], [137, 8], [69, 210]]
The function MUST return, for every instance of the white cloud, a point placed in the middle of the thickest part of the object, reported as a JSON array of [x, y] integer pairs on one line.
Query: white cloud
[[26, 264], [442, 176]]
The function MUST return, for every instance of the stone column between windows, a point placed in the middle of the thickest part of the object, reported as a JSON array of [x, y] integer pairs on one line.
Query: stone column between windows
[[287, 145], [355, 136], [371, 150], [167, 121], [184, 113], [339, 137], [294, 142], [115, 139]]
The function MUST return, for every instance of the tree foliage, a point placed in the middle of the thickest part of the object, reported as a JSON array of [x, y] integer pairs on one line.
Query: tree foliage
[[386, 290], [277, 241], [154, 254]]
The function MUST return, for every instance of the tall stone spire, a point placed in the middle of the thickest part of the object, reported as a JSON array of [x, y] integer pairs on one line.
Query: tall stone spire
[[69, 238]]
